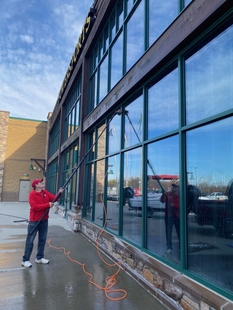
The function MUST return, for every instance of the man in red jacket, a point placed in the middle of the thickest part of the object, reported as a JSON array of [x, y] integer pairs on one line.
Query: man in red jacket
[[172, 214], [40, 201]]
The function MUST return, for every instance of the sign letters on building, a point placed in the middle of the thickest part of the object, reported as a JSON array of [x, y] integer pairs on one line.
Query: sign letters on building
[[78, 48]]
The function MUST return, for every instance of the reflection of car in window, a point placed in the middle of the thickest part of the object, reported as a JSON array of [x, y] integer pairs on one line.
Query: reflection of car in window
[[214, 196], [153, 203], [217, 209]]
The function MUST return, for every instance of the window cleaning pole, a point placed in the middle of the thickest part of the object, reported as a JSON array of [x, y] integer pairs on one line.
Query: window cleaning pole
[[118, 112], [148, 162]]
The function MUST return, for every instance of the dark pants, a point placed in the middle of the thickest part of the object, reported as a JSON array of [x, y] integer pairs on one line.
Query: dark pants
[[169, 222], [42, 230]]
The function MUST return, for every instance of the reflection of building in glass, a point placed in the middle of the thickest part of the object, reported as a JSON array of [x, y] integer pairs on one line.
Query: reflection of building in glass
[[164, 78]]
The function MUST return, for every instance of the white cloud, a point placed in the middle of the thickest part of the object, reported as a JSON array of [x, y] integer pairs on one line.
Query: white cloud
[[26, 38], [37, 40]]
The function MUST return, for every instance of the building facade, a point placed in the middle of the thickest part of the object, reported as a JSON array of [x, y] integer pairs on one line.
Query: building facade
[[23, 149], [141, 134]]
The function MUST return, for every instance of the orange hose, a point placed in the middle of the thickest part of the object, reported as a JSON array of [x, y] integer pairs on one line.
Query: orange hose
[[110, 280]]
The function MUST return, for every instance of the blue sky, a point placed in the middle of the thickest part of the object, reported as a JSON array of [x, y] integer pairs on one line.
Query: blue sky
[[37, 40]]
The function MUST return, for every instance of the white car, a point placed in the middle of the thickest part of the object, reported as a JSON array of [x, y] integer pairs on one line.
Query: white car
[[153, 203], [214, 196]]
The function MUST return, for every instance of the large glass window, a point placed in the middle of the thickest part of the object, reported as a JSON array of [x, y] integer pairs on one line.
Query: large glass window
[[101, 143], [132, 27], [132, 222], [113, 193], [52, 178], [209, 78], [70, 161], [117, 61], [161, 14], [133, 122], [54, 142], [163, 105], [99, 193], [136, 175], [72, 108], [210, 219], [93, 91], [89, 202], [114, 135], [163, 199], [135, 36], [103, 79]]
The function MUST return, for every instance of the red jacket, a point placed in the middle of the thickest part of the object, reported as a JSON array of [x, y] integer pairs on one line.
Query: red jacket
[[39, 203], [172, 204]]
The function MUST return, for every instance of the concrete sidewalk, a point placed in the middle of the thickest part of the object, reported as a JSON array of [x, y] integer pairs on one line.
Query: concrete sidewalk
[[62, 284]]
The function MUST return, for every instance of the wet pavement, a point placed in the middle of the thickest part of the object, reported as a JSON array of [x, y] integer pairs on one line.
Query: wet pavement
[[75, 278]]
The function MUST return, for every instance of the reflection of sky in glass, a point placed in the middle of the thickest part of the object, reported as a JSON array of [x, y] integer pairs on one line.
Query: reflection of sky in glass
[[163, 105], [209, 78], [133, 130], [129, 5], [135, 36], [117, 60], [164, 156], [209, 149], [187, 2], [161, 14], [114, 166], [114, 134], [120, 13], [103, 83], [133, 164]]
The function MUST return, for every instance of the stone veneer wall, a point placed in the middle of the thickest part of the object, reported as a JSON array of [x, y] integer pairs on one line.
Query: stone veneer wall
[[174, 289], [4, 119]]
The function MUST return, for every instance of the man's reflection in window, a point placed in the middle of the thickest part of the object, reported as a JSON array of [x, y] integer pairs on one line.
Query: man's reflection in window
[[172, 215]]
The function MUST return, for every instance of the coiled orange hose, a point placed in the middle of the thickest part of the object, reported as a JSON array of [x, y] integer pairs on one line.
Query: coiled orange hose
[[110, 280]]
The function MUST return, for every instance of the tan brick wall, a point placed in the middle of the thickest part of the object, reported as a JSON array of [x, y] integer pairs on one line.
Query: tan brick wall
[[4, 119], [25, 139]]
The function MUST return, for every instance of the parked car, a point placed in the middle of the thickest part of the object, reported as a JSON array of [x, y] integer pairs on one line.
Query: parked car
[[153, 203], [215, 209], [214, 196]]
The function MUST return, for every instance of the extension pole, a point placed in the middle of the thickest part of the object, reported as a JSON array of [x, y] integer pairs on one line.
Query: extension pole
[[75, 170], [148, 162]]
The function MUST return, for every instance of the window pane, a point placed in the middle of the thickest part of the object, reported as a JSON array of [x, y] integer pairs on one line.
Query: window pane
[[163, 202], [132, 222], [161, 15], [209, 78], [114, 137], [120, 13], [187, 2], [134, 122], [103, 82], [163, 105], [69, 125], [113, 26], [210, 224], [89, 193], [77, 107], [101, 141], [101, 47], [113, 193], [129, 5], [99, 203], [93, 92], [135, 36], [117, 61], [106, 38]]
